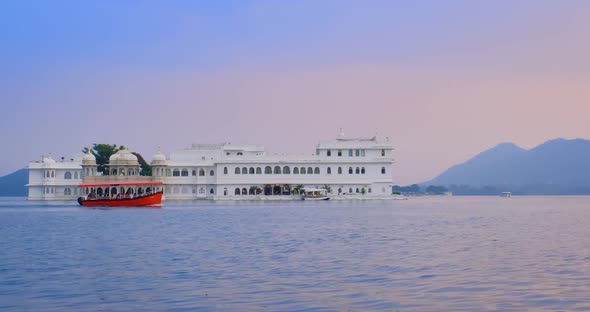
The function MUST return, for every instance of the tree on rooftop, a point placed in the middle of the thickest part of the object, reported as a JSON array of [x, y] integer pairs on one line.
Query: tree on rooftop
[[146, 169]]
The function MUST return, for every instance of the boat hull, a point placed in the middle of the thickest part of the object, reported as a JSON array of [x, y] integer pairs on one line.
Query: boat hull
[[315, 198], [149, 200]]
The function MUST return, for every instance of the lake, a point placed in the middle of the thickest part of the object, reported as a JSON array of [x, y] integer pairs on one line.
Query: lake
[[423, 254]]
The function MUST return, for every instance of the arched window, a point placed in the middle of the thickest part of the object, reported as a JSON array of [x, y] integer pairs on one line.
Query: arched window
[[131, 172], [382, 152], [329, 153], [339, 170], [369, 190], [302, 170], [382, 170], [176, 173], [237, 171], [201, 172], [185, 172], [75, 174], [363, 170], [68, 175], [244, 170], [251, 170], [237, 191], [350, 190], [358, 170], [194, 173], [211, 191], [277, 170], [244, 191], [67, 191], [329, 170], [286, 170], [310, 170], [225, 191], [295, 170], [258, 170], [47, 174], [211, 173], [267, 170], [357, 190], [239, 154], [316, 170], [194, 190], [349, 170], [224, 170], [201, 190]]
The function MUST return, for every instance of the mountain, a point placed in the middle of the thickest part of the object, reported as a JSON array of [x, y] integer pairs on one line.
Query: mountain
[[558, 166], [14, 184]]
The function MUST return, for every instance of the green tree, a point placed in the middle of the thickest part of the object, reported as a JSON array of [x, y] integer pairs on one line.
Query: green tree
[[297, 189], [102, 153], [146, 169], [253, 189]]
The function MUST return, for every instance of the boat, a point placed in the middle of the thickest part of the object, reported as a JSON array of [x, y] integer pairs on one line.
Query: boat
[[506, 194], [121, 194], [314, 194]]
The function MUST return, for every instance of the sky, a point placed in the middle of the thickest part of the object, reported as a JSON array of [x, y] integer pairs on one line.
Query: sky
[[444, 80]]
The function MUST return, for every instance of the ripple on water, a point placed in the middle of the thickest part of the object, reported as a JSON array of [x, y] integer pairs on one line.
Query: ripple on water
[[425, 254]]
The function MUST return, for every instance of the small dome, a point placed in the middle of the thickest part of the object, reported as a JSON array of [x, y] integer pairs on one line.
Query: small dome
[[48, 160], [88, 156], [88, 159], [159, 158]]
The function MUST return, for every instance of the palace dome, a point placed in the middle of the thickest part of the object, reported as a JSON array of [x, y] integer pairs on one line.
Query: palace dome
[[123, 157], [159, 158], [88, 159]]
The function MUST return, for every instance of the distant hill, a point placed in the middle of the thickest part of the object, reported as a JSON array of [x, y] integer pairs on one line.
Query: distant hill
[[14, 184], [558, 166]]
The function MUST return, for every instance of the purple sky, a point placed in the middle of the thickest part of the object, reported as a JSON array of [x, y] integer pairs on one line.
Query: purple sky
[[443, 79]]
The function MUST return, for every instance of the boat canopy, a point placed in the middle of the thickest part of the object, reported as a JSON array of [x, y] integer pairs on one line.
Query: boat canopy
[[120, 183], [313, 190]]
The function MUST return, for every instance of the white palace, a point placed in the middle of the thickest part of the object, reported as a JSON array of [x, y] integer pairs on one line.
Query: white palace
[[346, 167]]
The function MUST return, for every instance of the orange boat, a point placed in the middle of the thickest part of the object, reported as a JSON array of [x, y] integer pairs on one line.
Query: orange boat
[[121, 194]]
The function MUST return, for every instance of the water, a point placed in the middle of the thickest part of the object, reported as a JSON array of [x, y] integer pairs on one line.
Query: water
[[424, 254]]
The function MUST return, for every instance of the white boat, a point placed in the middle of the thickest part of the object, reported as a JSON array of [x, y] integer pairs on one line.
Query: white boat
[[506, 194], [314, 194]]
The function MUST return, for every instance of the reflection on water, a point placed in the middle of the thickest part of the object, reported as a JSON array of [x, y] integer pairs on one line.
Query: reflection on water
[[424, 254]]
